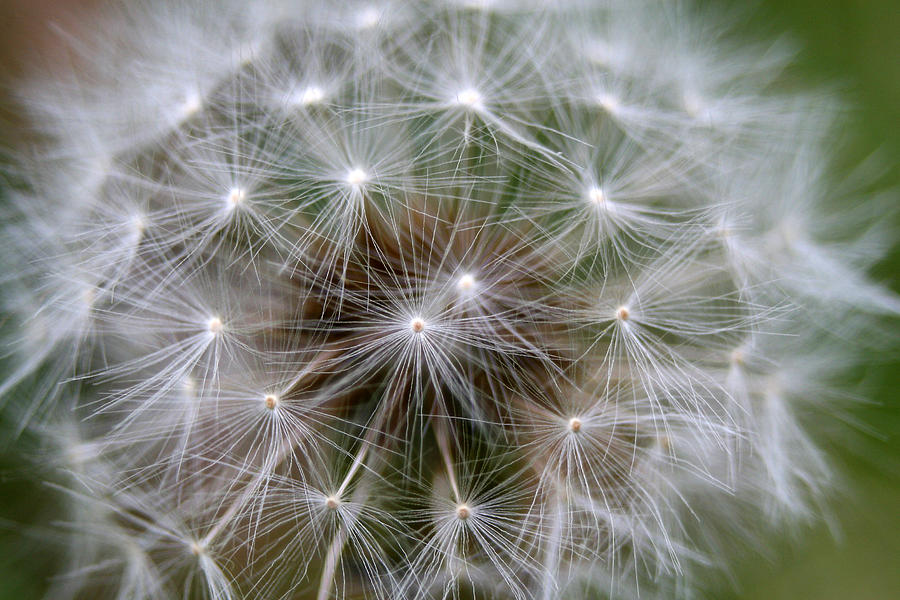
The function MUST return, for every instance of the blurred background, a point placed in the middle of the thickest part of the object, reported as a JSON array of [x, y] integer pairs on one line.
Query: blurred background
[[851, 44], [854, 44]]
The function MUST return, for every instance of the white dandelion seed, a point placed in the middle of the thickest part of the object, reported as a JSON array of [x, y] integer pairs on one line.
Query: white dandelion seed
[[357, 177]]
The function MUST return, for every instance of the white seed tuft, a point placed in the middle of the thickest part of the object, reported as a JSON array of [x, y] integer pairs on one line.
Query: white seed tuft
[[357, 177], [190, 105], [469, 98], [214, 325], [466, 282], [417, 325], [609, 103], [368, 17], [235, 197], [312, 94]]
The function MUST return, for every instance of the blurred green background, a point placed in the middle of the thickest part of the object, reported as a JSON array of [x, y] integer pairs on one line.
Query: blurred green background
[[852, 43], [855, 44]]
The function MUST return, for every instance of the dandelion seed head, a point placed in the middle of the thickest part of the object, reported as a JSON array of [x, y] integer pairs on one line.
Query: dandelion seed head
[[693, 103], [138, 225], [214, 325], [190, 105], [609, 103], [443, 336], [466, 282], [312, 94], [368, 18], [417, 325], [575, 425], [89, 296], [469, 98], [357, 177], [246, 51], [235, 197], [80, 453], [596, 195]]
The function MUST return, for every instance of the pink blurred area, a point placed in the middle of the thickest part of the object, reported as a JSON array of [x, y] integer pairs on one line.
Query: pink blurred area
[[31, 30]]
